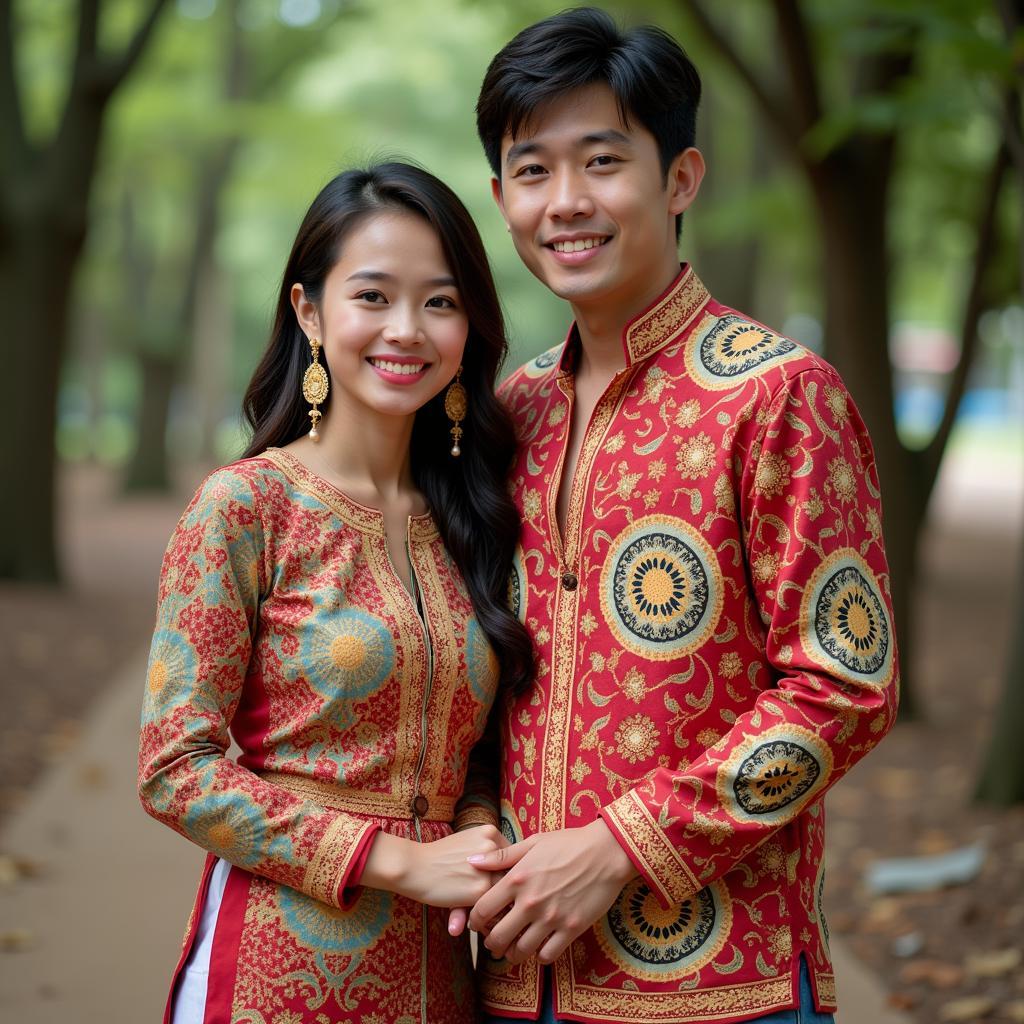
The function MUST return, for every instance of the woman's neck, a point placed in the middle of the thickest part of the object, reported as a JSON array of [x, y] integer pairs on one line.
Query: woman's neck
[[364, 453]]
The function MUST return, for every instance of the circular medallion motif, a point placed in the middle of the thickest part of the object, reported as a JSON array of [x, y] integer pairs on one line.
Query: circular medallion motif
[[648, 941], [728, 348], [517, 586], [509, 823], [172, 660], [768, 773], [539, 367], [660, 589], [845, 622], [481, 664], [350, 652], [232, 826], [326, 929], [774, 775]]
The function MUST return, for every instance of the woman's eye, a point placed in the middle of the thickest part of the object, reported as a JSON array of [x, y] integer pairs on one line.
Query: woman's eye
[[372, 296], [441, 302]]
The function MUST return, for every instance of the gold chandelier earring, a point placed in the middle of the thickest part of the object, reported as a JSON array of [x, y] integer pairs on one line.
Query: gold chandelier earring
[[455, 406], [315, 386]]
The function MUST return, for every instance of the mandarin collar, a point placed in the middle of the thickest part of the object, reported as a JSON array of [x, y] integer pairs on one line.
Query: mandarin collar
[[665, 320]]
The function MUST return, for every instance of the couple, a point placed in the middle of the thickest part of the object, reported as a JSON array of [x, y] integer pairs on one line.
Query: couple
[[572, 666]]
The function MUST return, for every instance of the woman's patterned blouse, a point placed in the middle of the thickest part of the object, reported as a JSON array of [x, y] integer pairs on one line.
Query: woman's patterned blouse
[[716, 650], [355, 706]]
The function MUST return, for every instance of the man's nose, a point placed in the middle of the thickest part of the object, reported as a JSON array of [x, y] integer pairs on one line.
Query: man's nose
[[570, 197]]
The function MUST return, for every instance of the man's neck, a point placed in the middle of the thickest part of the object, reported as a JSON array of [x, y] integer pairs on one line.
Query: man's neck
[[601, 326]]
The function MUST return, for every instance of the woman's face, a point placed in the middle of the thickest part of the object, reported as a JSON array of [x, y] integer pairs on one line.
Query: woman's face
[[391, 320]]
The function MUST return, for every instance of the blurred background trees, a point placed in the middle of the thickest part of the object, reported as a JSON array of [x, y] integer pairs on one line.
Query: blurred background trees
[[864, 196]]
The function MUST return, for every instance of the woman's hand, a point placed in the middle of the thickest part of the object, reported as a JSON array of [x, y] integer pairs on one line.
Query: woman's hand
[[436, 873]]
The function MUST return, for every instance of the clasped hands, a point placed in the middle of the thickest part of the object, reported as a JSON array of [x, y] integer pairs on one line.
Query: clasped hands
[[546, 891]]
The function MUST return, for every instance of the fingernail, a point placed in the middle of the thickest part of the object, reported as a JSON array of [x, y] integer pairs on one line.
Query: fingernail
[[451, 929], [477, 858]]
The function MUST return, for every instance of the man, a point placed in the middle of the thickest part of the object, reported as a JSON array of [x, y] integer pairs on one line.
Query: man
[[701, 568]]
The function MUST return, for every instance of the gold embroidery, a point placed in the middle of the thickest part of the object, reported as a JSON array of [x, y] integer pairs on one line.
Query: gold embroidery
[[825, 985], [354, 801], [330, 863], [673, 879], [362, 517], [669, 319], [710, 1003]]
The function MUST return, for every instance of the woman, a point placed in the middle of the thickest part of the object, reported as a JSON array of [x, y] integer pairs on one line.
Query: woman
[[337, 599]]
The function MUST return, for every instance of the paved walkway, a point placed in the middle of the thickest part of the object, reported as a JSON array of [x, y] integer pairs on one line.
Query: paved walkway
[[99, 929]]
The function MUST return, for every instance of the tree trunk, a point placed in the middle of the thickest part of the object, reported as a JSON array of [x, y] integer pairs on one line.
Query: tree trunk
[[36, 272], [1002, 776], [149, 469], [852, 206], [44, 198]]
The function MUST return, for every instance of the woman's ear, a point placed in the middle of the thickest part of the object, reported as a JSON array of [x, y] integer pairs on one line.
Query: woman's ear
[[306, 312]]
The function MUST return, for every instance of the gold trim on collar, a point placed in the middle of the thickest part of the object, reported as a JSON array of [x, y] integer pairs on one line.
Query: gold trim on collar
[[667, 319], [422, 528], [672, 313]]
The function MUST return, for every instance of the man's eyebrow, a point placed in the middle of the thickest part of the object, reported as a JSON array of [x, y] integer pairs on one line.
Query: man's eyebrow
[[609, 135], [445, 281], [528, 147], [518, 149]]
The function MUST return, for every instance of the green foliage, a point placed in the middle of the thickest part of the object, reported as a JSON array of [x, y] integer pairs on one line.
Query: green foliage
[[364, 80]]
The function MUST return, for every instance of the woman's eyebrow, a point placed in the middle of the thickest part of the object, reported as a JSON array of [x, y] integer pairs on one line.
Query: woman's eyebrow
[[445, 281]]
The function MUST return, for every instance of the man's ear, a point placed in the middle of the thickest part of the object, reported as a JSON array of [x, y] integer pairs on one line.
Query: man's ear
[[499, 199], [684, 178]]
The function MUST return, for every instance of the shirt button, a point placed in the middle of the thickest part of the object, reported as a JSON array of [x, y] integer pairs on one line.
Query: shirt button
[[570, 580], [420, 805]]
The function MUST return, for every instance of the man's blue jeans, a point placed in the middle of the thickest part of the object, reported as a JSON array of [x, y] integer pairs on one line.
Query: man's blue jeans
[[804, 1014]]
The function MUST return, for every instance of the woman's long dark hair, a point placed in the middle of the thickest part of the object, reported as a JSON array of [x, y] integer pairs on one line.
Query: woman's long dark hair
[[468, 497]]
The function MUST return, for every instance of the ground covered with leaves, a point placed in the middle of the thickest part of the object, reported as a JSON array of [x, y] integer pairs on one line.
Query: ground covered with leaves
[[956, 953]]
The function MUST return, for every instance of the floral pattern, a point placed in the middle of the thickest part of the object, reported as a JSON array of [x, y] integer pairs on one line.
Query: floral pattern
[[283, 624], [724, 655]]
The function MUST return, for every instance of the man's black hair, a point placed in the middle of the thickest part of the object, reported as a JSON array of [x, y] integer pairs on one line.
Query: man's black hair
[[652, 78]]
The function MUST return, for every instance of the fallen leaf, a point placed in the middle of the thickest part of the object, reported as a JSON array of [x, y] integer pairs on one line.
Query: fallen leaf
[[9, 873], [935, 973], [15, 940], [994, 964], [967, 1009], [902, 1000], [13, 869], [1014, 1011], [93, 776], [62, 737], [898, 783], [884, 917], [934, 841]]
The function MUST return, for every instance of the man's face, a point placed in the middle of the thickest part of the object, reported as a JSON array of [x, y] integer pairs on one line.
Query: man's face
[[590, 211]]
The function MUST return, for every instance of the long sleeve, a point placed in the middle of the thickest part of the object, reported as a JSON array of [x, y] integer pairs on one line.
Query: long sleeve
[[216, 568], [814, 556]]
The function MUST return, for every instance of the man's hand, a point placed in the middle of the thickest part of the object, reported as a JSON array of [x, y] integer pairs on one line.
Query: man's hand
[[458, 917], [557, 884]]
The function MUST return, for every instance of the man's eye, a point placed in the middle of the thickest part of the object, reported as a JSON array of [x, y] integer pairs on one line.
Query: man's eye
[[530, 171], [604, 160]]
